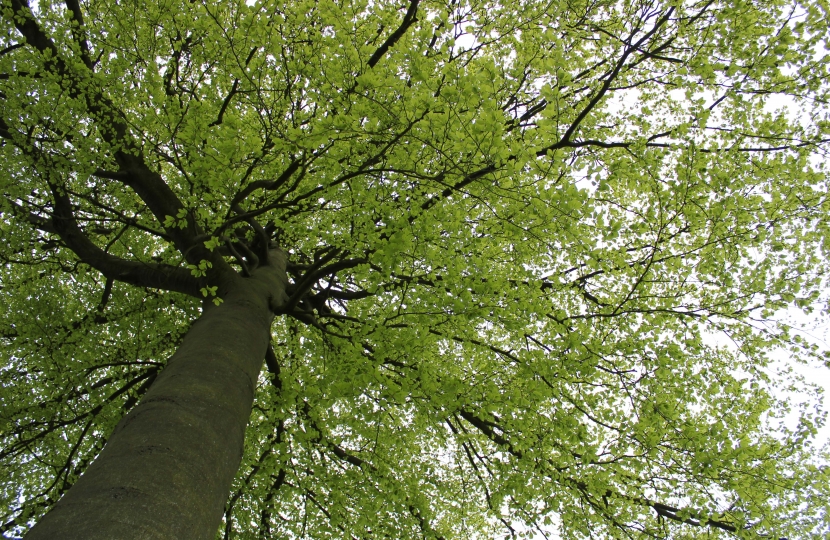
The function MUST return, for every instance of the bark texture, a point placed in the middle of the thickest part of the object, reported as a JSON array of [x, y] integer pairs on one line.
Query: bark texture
[[167, 468]]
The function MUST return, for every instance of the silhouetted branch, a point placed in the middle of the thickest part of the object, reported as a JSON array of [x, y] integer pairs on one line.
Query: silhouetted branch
[[409, 18], [153, 275]]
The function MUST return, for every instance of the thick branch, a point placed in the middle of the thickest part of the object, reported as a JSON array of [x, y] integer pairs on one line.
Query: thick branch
[[225, 104], [314, 276], [408, 20], [78, 33], [133, 171], [156, 276], [267, 184]]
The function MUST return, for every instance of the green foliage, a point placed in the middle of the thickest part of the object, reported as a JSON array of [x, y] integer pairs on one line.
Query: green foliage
[[518, 234]]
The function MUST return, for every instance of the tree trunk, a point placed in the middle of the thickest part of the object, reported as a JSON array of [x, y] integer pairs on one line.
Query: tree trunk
[[167, 468]]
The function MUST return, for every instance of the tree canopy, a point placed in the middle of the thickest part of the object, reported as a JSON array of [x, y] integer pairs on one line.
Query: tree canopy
[[535, 254]]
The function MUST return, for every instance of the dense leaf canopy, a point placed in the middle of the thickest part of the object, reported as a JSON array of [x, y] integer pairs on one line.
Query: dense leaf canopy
[[535, 249]]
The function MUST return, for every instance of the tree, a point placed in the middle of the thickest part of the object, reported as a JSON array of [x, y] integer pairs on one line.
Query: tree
[[484, 251]]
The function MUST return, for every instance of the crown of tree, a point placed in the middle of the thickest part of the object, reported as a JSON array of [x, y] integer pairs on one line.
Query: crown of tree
[[459, 269]]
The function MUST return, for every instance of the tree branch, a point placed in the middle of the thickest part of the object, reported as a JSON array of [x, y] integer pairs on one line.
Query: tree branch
[[78, 33], [315, 274], [133, 171], [152, 275], [10, 48], [486, 428], [225, 104], [612, 76], [408, 20], [38, 222]]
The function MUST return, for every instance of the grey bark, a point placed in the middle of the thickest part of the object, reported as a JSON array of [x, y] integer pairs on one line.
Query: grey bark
[[167, 468]]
